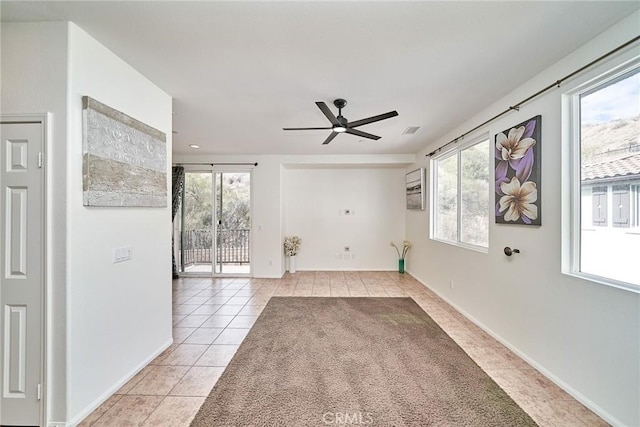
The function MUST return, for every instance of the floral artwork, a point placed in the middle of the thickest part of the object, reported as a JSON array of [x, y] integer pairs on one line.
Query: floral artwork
[[517, 177]]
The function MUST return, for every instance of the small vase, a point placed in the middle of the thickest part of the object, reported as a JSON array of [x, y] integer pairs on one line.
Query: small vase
[[401, 265], [292, 264]]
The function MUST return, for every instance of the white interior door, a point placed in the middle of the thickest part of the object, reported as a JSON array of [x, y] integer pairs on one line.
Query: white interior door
[[21, 272]]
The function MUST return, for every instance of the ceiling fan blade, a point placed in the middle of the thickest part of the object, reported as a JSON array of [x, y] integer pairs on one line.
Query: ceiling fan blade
[[362, 134], [307, 128], [330, 138], [327, 112], [372, 119]]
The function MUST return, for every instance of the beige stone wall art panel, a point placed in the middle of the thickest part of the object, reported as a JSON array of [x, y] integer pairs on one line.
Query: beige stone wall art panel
[[124, 160]]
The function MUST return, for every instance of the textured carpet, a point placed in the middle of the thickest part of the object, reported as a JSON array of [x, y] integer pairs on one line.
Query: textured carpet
[[353, 361]]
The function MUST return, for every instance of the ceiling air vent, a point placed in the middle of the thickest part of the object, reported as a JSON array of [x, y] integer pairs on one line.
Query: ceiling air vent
[[411, 130]]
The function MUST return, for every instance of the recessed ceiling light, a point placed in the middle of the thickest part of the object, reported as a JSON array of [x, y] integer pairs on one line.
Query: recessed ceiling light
[[196, 146]]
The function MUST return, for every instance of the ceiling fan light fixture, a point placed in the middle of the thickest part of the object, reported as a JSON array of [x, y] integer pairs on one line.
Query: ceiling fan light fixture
[[339, 129]]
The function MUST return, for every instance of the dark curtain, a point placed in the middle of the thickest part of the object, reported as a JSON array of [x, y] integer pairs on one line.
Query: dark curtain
[[178, 185]]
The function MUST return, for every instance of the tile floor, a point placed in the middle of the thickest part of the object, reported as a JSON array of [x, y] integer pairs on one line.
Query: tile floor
[[211, 317]]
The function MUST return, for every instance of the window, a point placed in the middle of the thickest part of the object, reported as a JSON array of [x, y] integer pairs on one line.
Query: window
[[605, 159], [460, 195]]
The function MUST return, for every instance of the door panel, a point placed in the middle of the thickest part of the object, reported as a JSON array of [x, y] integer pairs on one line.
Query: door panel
[[216, 223], [196, 242], [15, 340], [16, 237], [233, 223], [21, 237]]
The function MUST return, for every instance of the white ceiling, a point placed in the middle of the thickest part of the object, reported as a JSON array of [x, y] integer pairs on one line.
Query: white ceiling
[[241, 71]]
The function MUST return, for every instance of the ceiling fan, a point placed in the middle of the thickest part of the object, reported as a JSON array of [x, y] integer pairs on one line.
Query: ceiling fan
[[342, 125]]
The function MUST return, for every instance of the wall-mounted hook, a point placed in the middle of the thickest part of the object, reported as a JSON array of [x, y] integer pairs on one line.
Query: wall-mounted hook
[[508, 251]]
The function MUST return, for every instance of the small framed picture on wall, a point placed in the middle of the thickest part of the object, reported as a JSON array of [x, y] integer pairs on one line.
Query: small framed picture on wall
[[415, 189]]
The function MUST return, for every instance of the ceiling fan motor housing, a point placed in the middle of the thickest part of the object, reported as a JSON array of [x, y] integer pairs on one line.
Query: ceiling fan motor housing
[[340, 103]]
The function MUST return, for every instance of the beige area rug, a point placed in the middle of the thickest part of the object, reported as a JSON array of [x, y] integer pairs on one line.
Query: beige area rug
[[353, 361]]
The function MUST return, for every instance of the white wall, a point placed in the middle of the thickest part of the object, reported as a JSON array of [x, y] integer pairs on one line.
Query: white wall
[[584, 335], [105, 320], [119, 315], [315, 203], [265, 203], [34, 80], [270, 197]]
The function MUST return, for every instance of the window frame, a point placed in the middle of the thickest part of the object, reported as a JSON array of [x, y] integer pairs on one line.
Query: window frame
[[456, 150], [572, 168]]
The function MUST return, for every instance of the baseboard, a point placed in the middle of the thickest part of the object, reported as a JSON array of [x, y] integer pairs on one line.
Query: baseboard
[[553, 378], [107, 394], [345, 269]]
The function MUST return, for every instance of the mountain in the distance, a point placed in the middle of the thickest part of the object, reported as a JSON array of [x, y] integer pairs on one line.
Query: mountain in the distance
[[610, 140]]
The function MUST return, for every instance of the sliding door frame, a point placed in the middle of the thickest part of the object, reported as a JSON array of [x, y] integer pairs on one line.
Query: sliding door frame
[[213, 171]]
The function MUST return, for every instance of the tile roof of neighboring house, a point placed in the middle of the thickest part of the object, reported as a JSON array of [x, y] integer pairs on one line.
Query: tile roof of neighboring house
[[624, 166]]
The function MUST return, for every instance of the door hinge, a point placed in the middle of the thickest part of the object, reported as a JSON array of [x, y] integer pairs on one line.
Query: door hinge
[[40, 159], [39, 392]]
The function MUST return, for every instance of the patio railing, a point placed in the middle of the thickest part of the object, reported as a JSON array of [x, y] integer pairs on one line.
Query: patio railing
[[233, 247]]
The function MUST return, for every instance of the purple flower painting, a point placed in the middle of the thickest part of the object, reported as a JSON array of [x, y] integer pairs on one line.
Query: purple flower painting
[[517, 177]]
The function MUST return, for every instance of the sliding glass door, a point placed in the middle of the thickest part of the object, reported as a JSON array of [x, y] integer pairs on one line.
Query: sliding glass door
[[233, 223], [216, 223]]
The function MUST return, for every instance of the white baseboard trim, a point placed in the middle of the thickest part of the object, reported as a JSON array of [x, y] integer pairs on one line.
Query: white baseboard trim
[[107, 394], [559, 382], [345, 269]]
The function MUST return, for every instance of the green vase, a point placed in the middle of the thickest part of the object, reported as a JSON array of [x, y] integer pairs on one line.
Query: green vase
[[401, 266]]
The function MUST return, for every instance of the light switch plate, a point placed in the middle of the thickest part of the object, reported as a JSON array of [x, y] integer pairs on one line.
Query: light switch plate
[[123, 253]]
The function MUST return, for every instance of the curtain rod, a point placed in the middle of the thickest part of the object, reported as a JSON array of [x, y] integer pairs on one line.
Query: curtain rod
[[215, 164], [517, 106]]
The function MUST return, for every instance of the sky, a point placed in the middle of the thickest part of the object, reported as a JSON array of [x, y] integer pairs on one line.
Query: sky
[[619, 100]]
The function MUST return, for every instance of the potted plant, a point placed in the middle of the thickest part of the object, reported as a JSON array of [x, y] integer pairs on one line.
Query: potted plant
[[406, 245], [291, 246]]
